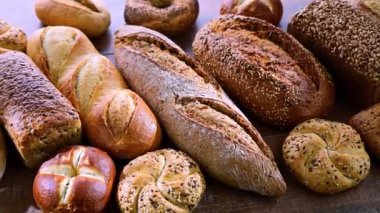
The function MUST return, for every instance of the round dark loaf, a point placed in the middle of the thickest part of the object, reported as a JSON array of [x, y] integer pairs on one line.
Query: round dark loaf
[[265, 70]]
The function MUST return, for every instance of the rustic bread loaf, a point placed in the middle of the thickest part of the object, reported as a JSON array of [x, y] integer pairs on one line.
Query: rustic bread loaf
[[327, 157], [12, 38], [197, 115], [115, 119], [265, 70], [345, 35], [3, 154], [90, 16], [161, 181], [367, 123], [38, 119], [170, 17], [78, 179]]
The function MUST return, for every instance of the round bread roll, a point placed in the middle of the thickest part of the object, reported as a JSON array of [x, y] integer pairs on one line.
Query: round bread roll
[[161, 181], [327, 157], [170, 17], [90, 16], [12, 38], [78, 179]]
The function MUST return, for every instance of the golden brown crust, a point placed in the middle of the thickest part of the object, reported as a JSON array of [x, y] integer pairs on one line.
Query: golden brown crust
[[38, 119], [12, 38], [168, 17], [264, 69], [3, 153], [327, 157], [351, 53], [367, 123], [78, 179], [115, 118], [197, 115], [161, 181], [90, 16]]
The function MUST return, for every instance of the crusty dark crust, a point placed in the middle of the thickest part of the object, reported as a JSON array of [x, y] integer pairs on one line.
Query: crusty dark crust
[[265, 70], [346, 38], [172, 20], [37, 117], [197, 115]]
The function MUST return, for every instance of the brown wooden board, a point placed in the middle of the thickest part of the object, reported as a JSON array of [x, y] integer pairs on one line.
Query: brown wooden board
[[16, 186]]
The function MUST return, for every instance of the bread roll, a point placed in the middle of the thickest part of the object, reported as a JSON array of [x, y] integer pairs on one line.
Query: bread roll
[[327, 157], [3, 154], [195, 112], [265, 70], [170, 17], [38, 119], [345, 35], [367, 123], [12, 38], [115, 118], [90, 16], [160, 181], [78, 179]]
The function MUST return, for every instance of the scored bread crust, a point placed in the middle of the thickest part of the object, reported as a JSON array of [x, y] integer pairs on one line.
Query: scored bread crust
[[197, 115], [11, 37], [265, 70], [115, 118], [36, 116]]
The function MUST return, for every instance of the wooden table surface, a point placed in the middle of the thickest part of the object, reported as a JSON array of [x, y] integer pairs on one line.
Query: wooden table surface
[[16, 186]]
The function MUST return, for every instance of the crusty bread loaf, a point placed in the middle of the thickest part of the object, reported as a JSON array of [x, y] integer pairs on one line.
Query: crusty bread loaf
[[161, 181], [367, 123], [90, 16], [265, 70], [3, 154], [197, 115], [78, 179], [345, 35], [327, 157], [12, 38], [38, 119], [170, 17], [115, 118]]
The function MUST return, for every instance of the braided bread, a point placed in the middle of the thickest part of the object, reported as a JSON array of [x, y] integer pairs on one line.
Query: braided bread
[[115, 119], [12, 38], [327, 157], [161, 181]]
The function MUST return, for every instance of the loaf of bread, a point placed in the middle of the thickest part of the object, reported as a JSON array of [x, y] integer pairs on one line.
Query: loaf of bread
[[3, 154], [78, 179], [345, 35], [195, 112], [90, 16], [11, 37], [115, 119], [265, 70], [367, 123], [161, 181], [327, 157], [38, 119], [170, 17]]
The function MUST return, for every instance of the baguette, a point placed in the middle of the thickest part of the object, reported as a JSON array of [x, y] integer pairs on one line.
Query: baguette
[[265, 70], [115, 119], [12, 38], [38, 119], [197, 115]]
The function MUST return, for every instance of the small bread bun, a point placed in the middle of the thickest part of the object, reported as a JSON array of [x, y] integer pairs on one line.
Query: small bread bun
[[170, 17], [12, 38], [161, 181], [327, 157], [268, 10], [78, 179], [90, 16]]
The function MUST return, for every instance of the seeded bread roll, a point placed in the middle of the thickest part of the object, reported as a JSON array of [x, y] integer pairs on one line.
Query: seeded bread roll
[[161, 181], [12, 38], [367, 123], [345, 35], [327, 157], [265, 70], [195, 112], [3, 153], [37, 117]]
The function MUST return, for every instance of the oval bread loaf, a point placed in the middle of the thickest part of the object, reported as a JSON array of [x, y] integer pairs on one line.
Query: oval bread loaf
[[265, 70], [197, 115], [12, 38]]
